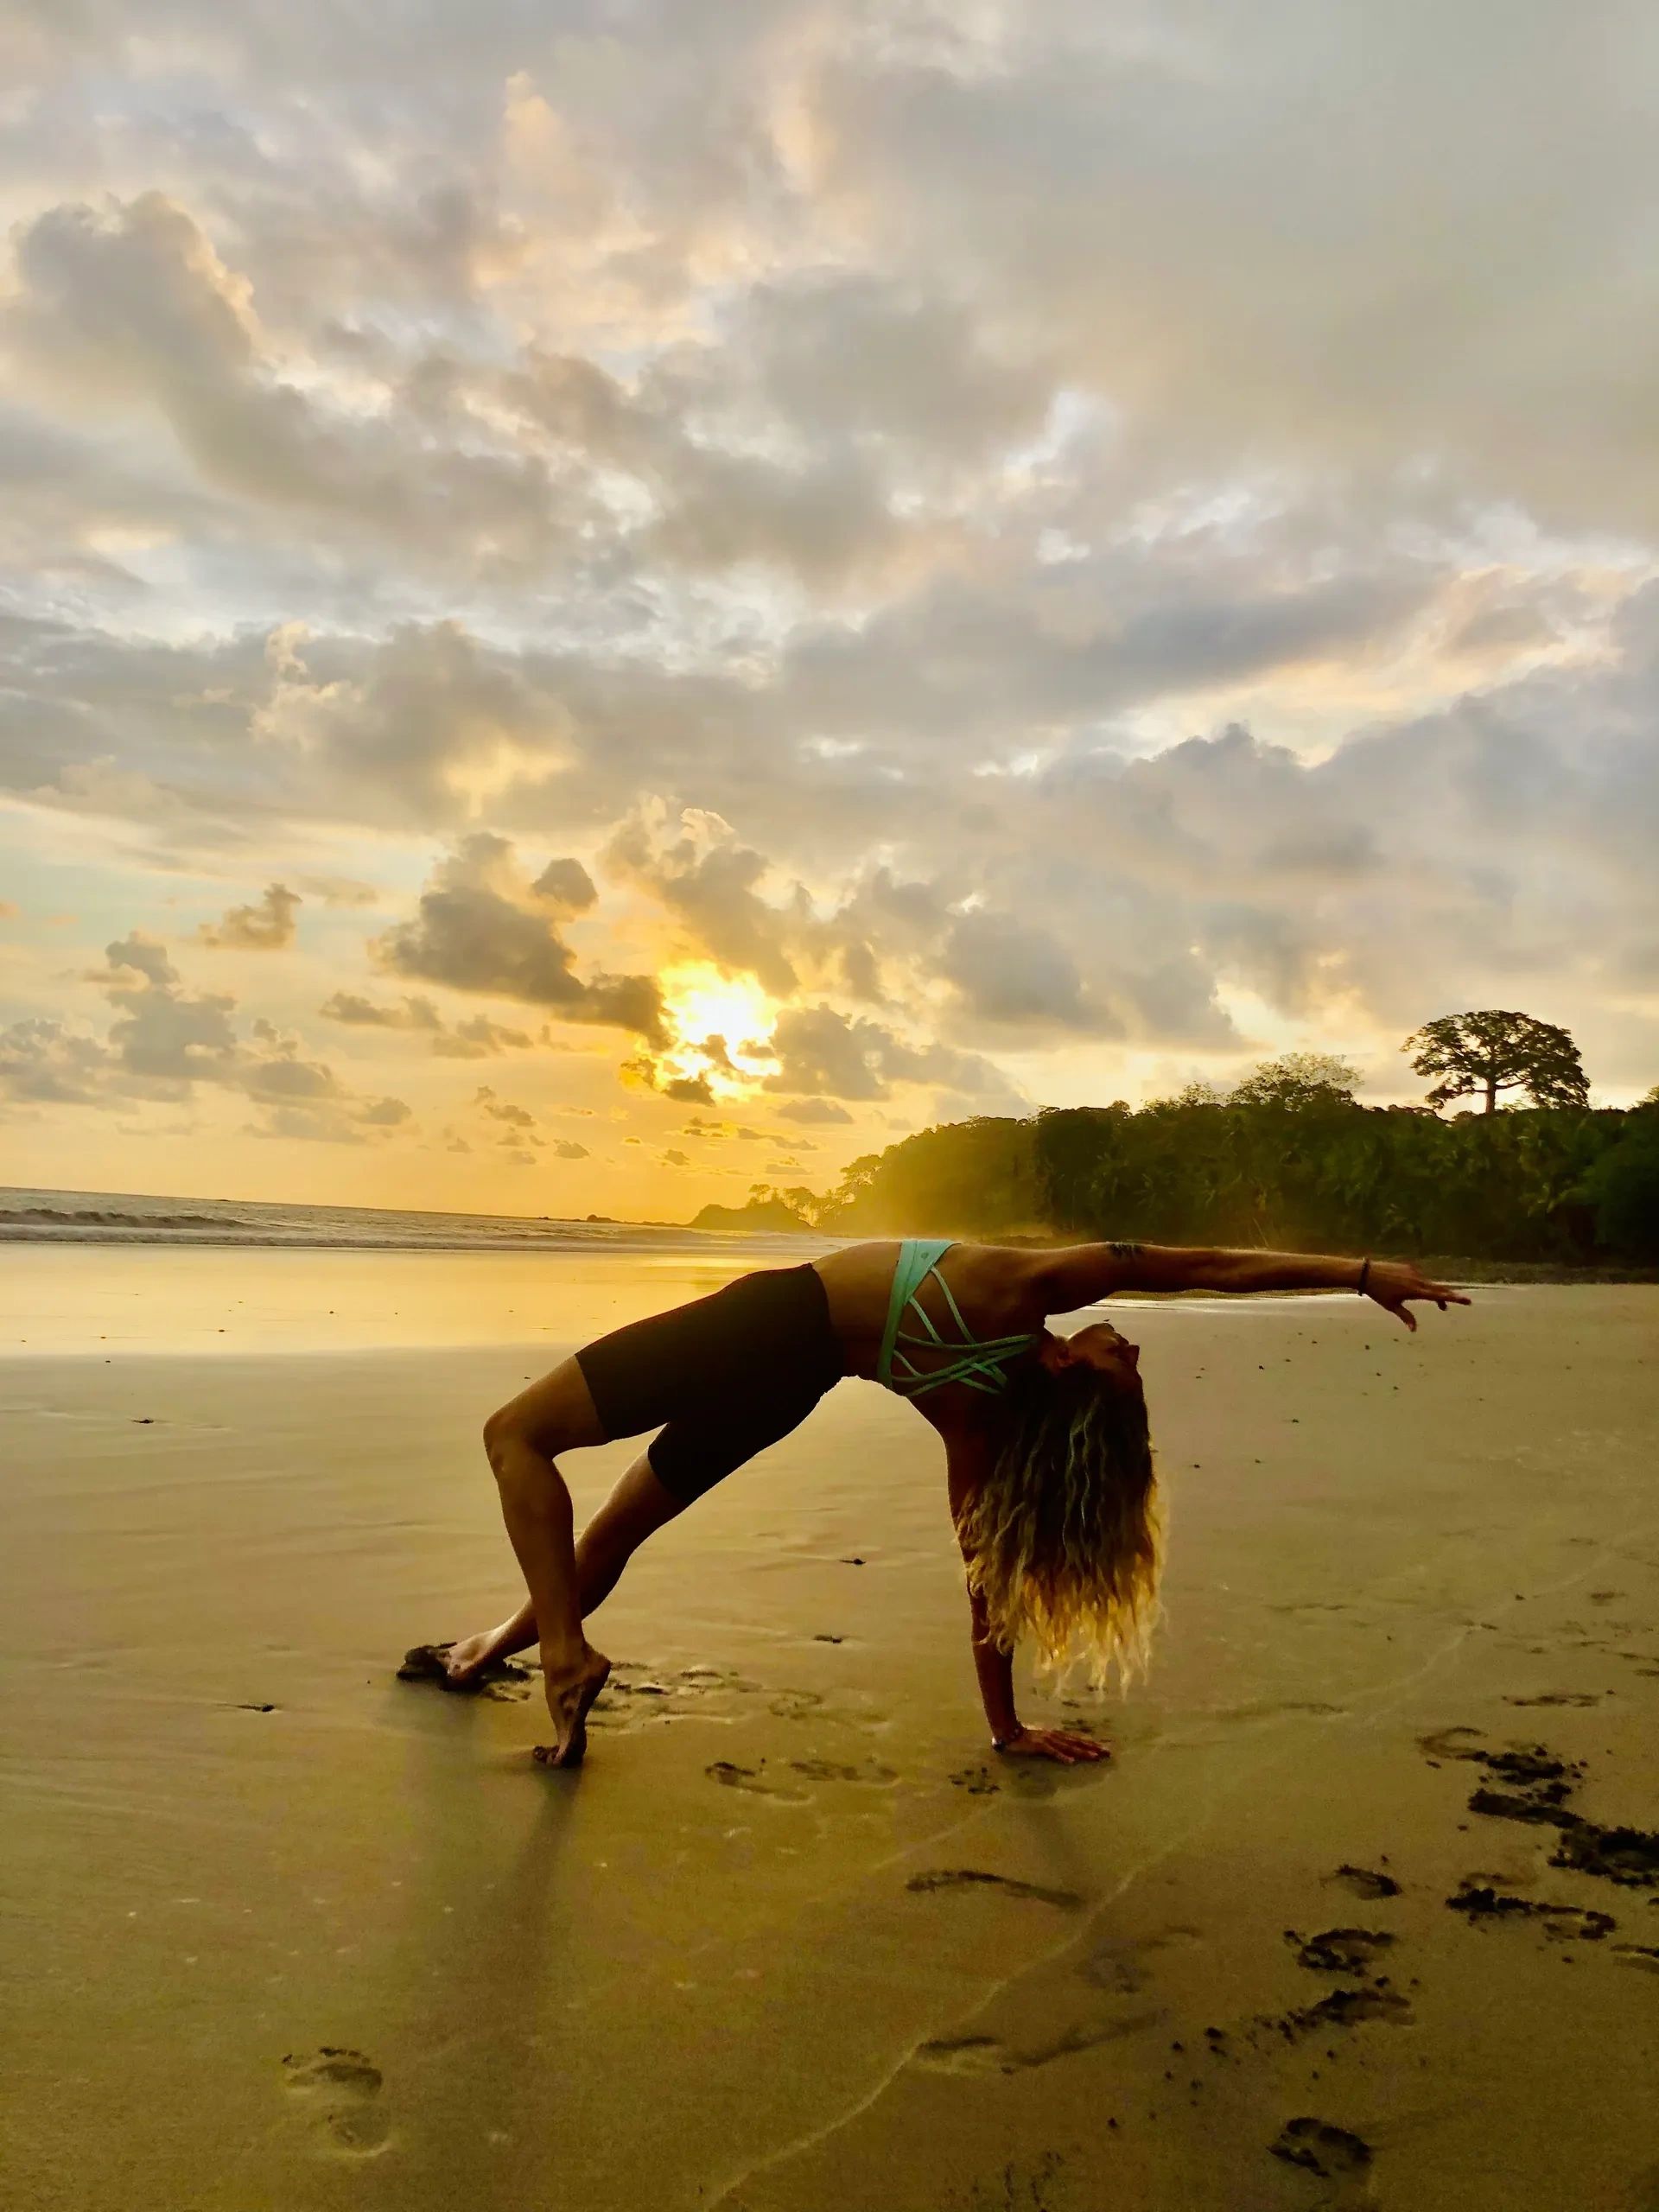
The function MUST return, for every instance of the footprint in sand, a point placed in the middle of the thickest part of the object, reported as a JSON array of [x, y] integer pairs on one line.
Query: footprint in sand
[[1481, 1905], [1364, 1882], [833, 1770], [1581, 1697], [796, 1704], [1022, 2189], [980, 2054], [1268, 1711], [1338, 1950], [339, 2090], [970, 1877], [977, 1781], [750, 1779], [1539, 1788], [1028, 1779], [1125, 1968], [1331, 2152], [1342, 2008]]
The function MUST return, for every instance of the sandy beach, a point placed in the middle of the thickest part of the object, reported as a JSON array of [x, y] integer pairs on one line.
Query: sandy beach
[[285, 1932]]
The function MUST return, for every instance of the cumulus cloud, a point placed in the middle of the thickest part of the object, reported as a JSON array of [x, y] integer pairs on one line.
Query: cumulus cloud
[[1063, 601], [824, 1053], [483, 925], [41, 1062], [131, 303], [267, 927], [813, 1110], [700, 869], [343, 891], [479, 1039], [165, 1041], [358, 1012], [515, 1116], [1012, 973]]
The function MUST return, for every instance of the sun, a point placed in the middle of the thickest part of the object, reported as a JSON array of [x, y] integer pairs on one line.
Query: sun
[[719, 1025]]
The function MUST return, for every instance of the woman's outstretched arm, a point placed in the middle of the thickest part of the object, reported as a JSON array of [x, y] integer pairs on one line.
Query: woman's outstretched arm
[[1084, 1272]]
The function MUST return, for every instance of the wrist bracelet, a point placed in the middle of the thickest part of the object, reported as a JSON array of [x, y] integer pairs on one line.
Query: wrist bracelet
[[1002, 1743], [1365, 1271]]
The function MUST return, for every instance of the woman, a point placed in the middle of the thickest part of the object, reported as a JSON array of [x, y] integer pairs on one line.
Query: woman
[[1048, 1461]]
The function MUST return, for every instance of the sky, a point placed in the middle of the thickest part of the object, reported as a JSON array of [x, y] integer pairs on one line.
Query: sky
[[603, 603]]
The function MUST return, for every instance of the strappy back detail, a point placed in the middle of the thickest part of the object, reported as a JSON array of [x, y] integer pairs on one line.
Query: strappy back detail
[[980, 1362]]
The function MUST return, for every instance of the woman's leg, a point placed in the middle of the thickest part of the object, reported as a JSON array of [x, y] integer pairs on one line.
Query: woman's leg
[[555, 1414], [636, 1508]]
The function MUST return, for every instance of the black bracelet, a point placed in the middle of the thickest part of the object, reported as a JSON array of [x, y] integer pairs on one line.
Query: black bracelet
[[1364, 1270]]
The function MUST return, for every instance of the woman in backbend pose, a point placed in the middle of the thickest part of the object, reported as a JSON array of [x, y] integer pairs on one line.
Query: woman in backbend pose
[[1047, 1457]]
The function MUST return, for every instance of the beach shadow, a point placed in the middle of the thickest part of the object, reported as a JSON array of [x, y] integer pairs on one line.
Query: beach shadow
[[475, 2097]]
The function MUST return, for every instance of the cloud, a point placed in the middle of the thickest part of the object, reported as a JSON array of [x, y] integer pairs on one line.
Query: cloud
[[339, 890], [1012, 973], [1020, 490], [41, 1062], [329, 1120], [821, 1052], [687, 1089], [812, 1110], [165, 1038], [483, 927], [503, 1109], [476, 1039], [267, 927], [165, 1041], [479, 1039], [702, 873], [129, 304], [568, 1148], [360, 1012]]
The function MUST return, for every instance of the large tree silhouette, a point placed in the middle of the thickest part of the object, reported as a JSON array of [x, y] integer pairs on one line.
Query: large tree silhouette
[[1480, 1054]]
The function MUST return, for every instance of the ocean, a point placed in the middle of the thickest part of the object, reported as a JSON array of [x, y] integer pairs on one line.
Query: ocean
[[30, 1217]]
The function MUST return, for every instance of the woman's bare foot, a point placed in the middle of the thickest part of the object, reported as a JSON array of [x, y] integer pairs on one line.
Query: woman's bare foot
[[468, 1664], [571, 1688], [466, 1658]]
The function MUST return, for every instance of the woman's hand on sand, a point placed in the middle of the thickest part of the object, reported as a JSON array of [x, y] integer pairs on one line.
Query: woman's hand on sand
[[1064, 1744], [1391, 1282]]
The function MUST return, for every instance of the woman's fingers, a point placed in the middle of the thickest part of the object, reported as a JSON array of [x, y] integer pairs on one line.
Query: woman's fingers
[[1062, 1745]]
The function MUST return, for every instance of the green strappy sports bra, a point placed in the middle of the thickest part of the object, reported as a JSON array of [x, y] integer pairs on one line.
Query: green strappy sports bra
[[980, 1362]]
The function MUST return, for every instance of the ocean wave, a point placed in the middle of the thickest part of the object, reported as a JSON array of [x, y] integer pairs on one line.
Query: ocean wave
[[99, 1217]]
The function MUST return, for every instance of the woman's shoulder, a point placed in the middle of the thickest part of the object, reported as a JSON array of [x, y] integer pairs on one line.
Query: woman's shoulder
[[1006, 1275]]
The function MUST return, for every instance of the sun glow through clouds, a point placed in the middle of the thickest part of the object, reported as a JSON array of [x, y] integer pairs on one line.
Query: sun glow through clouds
[[720, 1025]]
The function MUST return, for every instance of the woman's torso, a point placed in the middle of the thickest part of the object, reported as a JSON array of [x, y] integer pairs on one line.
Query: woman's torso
[[997, 1293]]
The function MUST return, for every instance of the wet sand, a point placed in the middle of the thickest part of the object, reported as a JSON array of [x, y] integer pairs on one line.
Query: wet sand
[[285, 1932]]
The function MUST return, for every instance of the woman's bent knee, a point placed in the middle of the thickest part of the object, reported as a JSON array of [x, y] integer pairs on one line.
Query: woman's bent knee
[[553, 1415], [499, 1431]]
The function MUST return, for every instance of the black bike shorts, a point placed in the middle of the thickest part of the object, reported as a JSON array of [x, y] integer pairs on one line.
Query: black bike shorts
[[722, 1377]]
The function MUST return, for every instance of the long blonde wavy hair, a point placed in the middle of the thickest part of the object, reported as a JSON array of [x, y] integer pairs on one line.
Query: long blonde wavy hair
[[1064, 1540]]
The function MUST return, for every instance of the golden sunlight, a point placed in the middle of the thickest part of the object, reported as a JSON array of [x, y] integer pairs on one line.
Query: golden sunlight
[[720, 1025]]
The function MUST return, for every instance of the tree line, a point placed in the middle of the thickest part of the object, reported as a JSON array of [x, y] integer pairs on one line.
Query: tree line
[[1290, 1158]]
